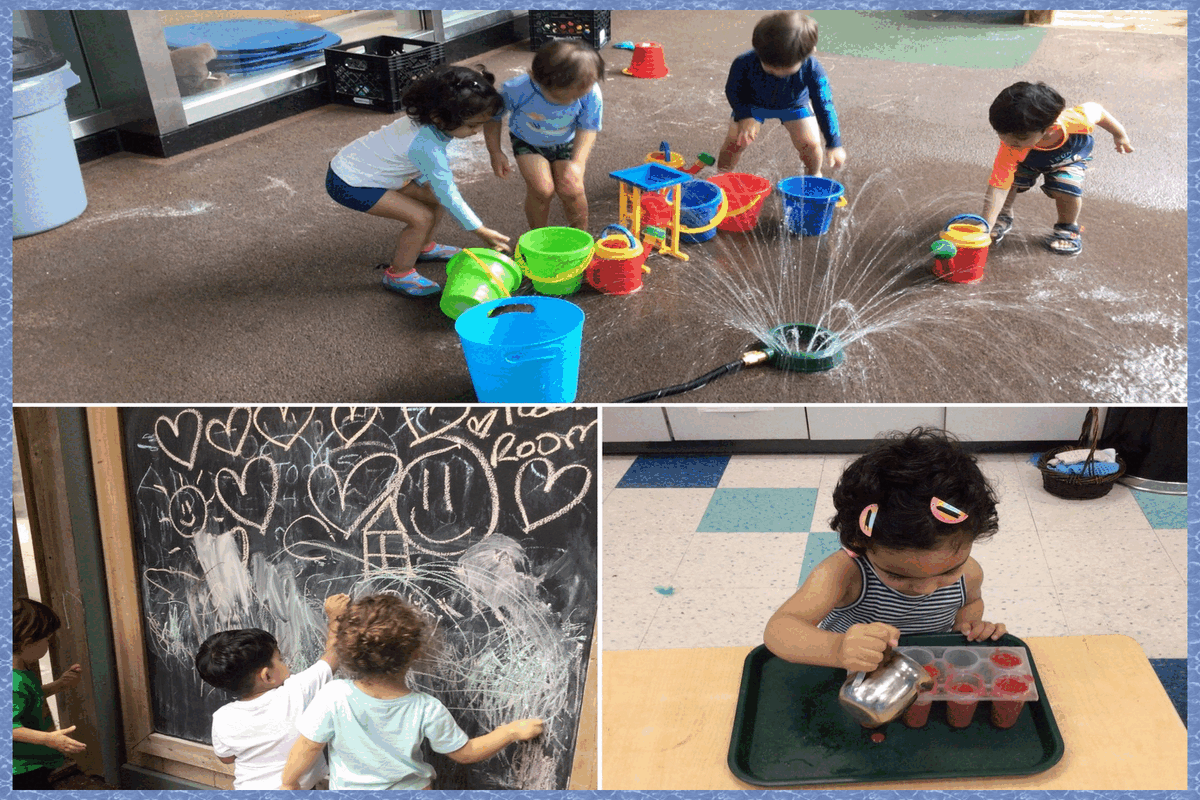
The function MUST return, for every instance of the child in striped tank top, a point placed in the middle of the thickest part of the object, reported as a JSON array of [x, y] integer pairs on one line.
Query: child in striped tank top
[[908, 512]]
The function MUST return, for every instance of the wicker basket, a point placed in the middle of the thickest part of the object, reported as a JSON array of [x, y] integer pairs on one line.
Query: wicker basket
[[1080, 487]]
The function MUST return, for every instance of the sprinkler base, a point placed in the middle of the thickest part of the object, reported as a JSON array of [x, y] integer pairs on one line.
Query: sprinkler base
[[803, 347]]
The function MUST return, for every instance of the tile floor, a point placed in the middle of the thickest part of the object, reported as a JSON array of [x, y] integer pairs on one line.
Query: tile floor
[[698, 552]]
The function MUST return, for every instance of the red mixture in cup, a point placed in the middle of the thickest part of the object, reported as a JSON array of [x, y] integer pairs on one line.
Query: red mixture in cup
[[959, 712], [1005, 712], [1005, 660]]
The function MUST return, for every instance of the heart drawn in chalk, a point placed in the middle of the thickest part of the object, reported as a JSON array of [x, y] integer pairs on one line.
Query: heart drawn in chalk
[[563, 500], [280, 418], [431, 413], [179, 438], [369, 480], [351, 422], [228, 430], [252, 493], [480, 426]]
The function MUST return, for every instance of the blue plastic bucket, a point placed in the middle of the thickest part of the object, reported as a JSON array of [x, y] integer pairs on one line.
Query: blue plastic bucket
[[698, 205], [808, 203], [523, 349]]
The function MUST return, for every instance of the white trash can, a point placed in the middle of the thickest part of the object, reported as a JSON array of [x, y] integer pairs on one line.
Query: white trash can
[[47, 183]]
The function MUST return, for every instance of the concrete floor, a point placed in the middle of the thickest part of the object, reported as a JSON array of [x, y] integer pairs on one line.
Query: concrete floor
[[227, 275]]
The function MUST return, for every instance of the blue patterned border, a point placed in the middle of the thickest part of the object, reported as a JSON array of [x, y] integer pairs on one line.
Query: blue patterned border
[[6, 309]]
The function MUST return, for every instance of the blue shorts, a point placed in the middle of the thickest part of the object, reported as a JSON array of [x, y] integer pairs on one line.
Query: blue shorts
[[357, 198], [552, 152], [1062, 170], [782, 114]]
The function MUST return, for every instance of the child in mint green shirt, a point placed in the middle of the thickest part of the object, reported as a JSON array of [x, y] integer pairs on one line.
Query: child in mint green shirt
[[38, 748]]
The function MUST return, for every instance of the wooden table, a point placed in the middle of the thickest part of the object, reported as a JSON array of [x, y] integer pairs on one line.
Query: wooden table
[[668, 716]]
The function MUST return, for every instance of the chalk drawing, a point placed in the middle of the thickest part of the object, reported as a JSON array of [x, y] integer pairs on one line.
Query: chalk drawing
[[481, 517]]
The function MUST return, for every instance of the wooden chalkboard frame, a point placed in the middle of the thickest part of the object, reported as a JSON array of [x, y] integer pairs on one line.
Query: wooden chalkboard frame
[[166, 754]]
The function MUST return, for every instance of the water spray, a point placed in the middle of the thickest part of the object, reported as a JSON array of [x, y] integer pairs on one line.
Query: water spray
[[792, 347]]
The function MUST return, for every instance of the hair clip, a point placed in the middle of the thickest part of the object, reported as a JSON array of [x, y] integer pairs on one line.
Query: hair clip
[[945, 512], [866, 520]]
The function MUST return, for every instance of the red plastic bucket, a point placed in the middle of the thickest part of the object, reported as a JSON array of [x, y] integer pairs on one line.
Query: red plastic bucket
[[616, 267], [745, 194]]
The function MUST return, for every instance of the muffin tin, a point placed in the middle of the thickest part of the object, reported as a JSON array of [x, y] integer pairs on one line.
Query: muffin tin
[[965, 676]]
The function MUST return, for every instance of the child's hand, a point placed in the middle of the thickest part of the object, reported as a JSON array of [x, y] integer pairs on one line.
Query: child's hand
[[863, 645], [63, 743], [747, 131], [1122, 144], [336, 605], [500, 165], [836, 157], [525, 729], [493, 239], [71, 678], [976, 630]]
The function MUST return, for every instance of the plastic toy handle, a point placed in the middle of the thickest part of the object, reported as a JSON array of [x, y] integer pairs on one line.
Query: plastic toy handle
[[621, 229], [717, 219], [491, 276], [573, 272], [666, 150], [974, 218], [841, 203]]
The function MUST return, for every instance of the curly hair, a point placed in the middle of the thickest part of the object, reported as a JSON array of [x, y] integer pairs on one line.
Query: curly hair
[[902, 473], [379, 635], [229, 659], [1025, 108], [448, 96], [784, 39], [32, 622], [565, 63]]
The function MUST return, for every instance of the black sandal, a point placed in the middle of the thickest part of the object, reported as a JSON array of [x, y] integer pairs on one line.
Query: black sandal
[[1003, 225], [1071, 234]]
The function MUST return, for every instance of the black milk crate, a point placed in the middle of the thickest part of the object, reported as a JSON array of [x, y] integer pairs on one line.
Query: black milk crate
[[593, 27], [377, 75]]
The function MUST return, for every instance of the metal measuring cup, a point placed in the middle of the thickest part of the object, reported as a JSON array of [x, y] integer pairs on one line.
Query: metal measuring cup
[[877, 697]]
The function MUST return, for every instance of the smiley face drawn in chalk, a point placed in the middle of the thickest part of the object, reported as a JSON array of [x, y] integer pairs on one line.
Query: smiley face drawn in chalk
[[188, 511]]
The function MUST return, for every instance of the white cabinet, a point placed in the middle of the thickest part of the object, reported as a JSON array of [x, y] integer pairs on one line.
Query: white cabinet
[[1016, 423], [724, 423], [867, 422], [634, 424]]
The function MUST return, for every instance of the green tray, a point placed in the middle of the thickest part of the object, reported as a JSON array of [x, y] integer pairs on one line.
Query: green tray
[[789, 730]]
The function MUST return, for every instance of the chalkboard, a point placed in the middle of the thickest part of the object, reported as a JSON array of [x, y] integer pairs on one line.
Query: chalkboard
[[483, 517]]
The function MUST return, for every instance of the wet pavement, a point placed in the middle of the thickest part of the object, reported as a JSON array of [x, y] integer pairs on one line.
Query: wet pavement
[[227, 275]]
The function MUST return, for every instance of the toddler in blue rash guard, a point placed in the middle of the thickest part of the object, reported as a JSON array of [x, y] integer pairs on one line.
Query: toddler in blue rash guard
[[401, 171], [555, 114], [780, 79]]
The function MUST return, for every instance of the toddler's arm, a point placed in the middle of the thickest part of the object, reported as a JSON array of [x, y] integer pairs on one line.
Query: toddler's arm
[[969, 620], [1120, 138], [491, 137], [793, 635], [486, 746], [335, 606], [304, 752], [58, 739], [993, 201], [68, 680]]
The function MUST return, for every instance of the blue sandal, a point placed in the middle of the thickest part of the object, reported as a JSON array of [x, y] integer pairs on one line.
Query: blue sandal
[[414, 284], [1070, 235], [439, 252], [1003, 225]]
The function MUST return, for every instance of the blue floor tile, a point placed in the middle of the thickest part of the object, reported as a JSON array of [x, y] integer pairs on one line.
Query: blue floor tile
[[674, 472], [1172, 672], [821, 545], [759, 511], [1164, 511]]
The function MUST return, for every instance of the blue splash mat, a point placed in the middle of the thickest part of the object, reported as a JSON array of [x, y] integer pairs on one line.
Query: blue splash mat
[[247, 35]]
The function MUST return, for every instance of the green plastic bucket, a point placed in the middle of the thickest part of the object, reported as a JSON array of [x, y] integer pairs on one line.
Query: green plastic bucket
[[477, 275], [555, 258]]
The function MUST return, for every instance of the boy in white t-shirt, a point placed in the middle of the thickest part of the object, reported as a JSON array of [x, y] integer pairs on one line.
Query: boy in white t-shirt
[[256, 731]]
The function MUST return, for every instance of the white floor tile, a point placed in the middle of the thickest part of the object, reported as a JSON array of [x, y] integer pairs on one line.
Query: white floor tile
[[740, 560], [1012, 503], [1175, 543], [707, 618], [782, 472], [627, 613], [637, 513], [1025, 609], [1116, 510], [835, 465], [613, 469]]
